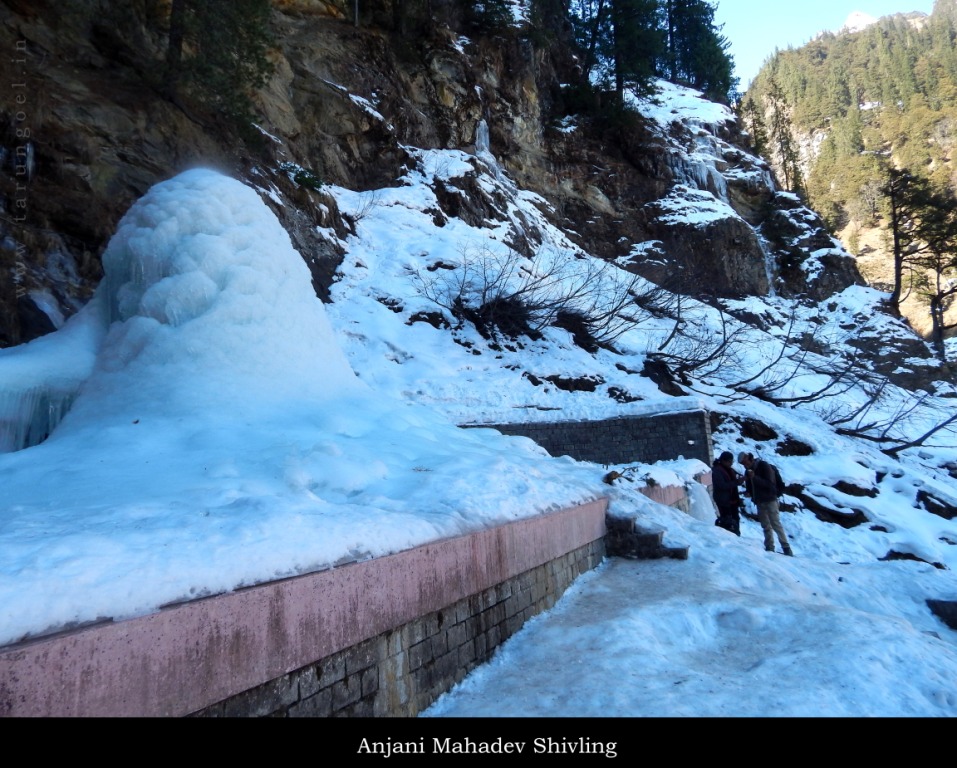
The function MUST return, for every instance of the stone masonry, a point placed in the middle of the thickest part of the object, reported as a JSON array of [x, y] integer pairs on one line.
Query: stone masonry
[[401, 672], [622, 440], [383, 636]]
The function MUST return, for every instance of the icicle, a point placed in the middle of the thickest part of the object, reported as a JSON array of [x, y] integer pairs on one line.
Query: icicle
[[40, 380], [484, 153], [481, 139], [699, 175], [770, 267], [28, 417]]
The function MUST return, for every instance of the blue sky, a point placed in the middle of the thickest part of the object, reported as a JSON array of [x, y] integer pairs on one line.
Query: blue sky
[[755, 28]]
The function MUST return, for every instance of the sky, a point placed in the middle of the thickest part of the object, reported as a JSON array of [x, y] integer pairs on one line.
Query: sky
[[755, 29], [223, 427]]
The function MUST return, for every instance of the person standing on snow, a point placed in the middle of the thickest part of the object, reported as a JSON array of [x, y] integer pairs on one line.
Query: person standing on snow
[[724, 483], [761, 485]]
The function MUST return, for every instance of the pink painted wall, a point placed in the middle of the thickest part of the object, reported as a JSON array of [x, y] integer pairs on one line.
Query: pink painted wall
[[670, 495], [190, 656], [674, 495]]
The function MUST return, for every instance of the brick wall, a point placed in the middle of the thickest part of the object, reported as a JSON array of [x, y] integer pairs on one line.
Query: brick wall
[[623, 440]]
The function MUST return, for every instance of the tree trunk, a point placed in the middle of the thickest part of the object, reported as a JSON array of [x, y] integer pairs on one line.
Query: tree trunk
[[898, 254]]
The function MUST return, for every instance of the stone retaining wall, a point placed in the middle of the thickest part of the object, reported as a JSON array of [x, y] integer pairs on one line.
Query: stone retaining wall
[[403, 671], [629, 439], [385, 636]]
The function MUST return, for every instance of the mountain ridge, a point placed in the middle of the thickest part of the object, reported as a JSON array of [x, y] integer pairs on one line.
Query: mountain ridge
[[856, 104]]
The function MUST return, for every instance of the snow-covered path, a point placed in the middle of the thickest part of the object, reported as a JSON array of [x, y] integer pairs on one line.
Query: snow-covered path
[[665, 638]]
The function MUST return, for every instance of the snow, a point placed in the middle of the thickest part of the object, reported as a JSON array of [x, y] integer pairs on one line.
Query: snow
[[675, 103], [704, 121], [224, 428], [857, 21], [731, 632], [221, 437], [692, 207]]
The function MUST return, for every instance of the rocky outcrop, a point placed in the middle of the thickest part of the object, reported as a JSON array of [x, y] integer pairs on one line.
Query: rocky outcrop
[[717, 251], [810, 262], [344, 103]]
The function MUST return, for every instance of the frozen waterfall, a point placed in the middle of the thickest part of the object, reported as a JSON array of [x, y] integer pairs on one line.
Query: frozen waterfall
[[770, 266], [40, 380], [484, 153]]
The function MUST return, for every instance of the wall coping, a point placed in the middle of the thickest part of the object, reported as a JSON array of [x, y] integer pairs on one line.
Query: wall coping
[[189, 656], [623, 411]]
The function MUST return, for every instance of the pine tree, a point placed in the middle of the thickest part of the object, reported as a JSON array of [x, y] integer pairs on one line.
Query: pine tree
[[696, 50], [883, 98], [638, 43], [549, 19], [621, 41], [488, 16], [217, 53], [908, 199], [629, 42], [591, 23], [754, 124], [782, 140], [937, 261]]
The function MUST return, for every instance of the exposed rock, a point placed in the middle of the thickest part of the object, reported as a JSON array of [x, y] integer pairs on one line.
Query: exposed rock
[[751, 196], [810, 262], [936, 506], [721, 257], [904, 358], [32, 320], [854, 490], [97, 135], [659, 372], [622, 395], [757, 430], [435, 319], [826, 513], [945, 610], [895, 555], [576, 384], [342, 106], [311, 7], [791, 446]]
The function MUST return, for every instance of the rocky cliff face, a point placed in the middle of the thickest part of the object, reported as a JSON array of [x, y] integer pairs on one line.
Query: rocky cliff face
[[85, 134]]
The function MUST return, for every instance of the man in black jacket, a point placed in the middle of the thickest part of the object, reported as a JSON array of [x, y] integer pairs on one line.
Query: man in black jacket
[[760, 483], [724, 485]]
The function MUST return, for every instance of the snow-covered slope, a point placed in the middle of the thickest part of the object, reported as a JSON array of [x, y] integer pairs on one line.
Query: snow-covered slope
[[233, 430], [792, 365]]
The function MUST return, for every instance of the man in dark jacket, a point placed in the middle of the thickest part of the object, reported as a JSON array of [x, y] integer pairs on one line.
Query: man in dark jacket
[[724, 484], [760, 483]]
